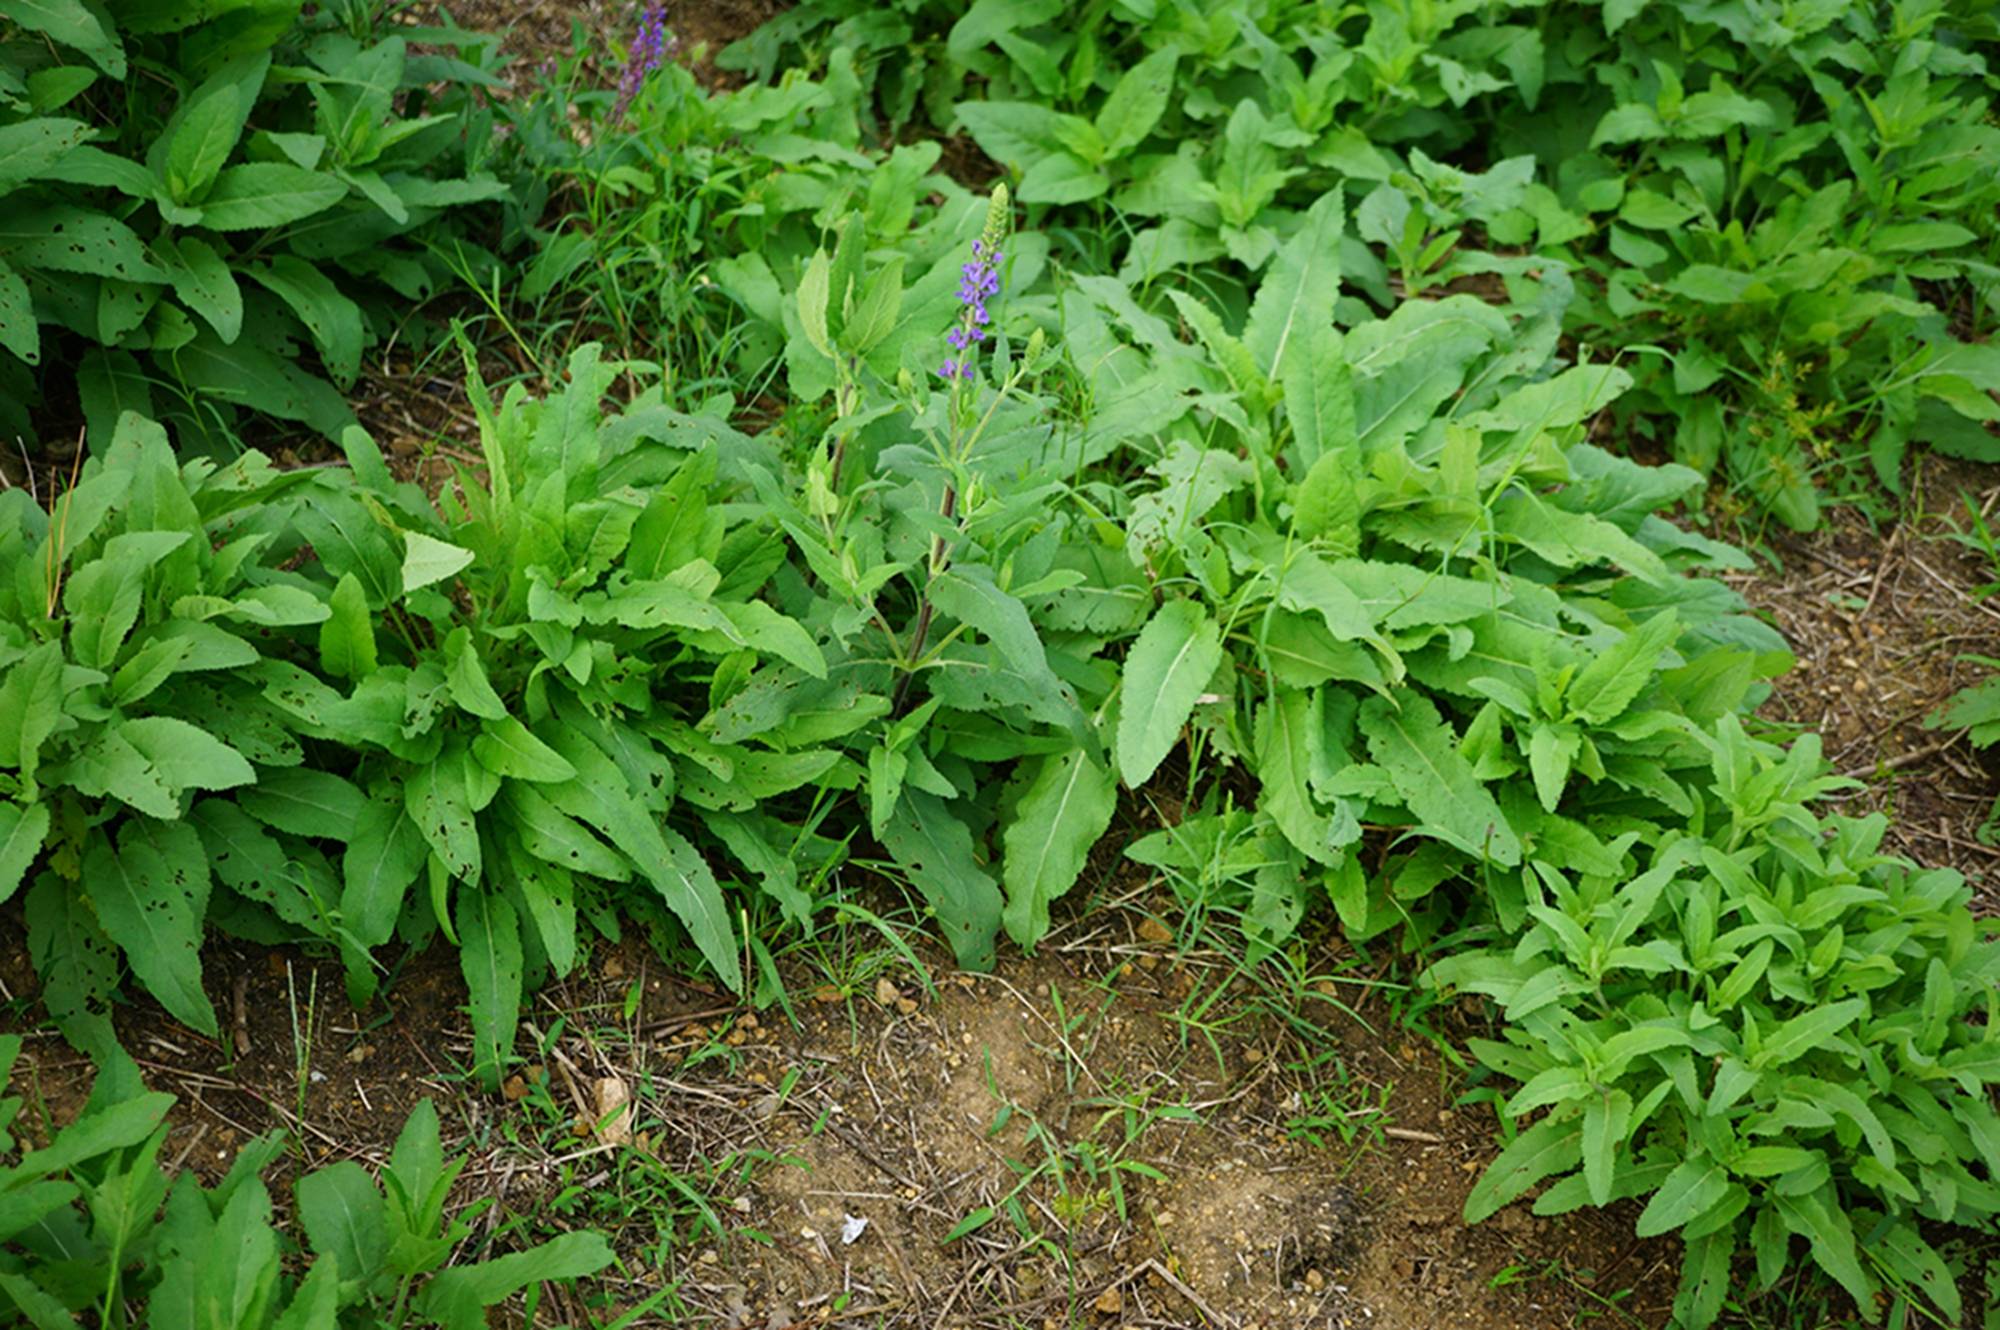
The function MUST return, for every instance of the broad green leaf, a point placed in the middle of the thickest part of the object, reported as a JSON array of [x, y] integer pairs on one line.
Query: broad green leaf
[[1166, 672], [61, 238], [1545, 1149], [466, 678], [306, 803], [1807, 1031], [1688, 1192], [427, 560], [205, 132], [435, 796], [347, 638], [259, 195], [1137, 101], [1295, 300], [1290, 745], [1058, 820], [151, 895], [505, 747], [22, 831], [29, 147], [1826, 1228], [490, 957], [20, 331], [383, 857], [1606, 685], [203, 282], [934, 849], [81, 24], [341, 1212], [1607, 1114], [1704, 1279], [601, 795], [333, 321], [1410, 740], [457, 1298], [1319, 405]]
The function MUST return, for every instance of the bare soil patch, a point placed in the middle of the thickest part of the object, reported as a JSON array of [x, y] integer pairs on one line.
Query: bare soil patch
[[1160, 1145], [1881, 623]]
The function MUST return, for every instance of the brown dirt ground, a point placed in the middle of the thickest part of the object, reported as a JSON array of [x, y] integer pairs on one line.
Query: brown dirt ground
[[911, 1101], [1881, 623]]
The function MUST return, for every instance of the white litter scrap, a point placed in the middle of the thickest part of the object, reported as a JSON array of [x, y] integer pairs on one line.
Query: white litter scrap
[[851, 1229]]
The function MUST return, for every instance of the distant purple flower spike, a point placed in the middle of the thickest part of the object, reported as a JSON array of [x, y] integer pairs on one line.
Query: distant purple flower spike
[[649, 49]]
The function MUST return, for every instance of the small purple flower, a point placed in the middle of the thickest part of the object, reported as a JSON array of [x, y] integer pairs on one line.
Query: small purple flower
[[649, 48], [979, 281]]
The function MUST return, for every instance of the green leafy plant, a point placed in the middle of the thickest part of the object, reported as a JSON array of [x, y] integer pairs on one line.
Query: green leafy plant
[[1767, 1035], [93, 1225], [1791, 216], [138, 618], [194, 198]]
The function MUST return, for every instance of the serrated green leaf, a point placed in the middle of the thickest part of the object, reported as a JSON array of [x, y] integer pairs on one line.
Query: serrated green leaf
[[260, 195], [150, 896], [934, 848], [22, 831], [1058, 820], [1545, 1149], [1165, 672], [1410, 740], [489, 956], [427, 560]]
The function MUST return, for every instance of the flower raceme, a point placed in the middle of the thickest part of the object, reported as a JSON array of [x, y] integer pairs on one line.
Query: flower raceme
[[649, 48], [979, 281]]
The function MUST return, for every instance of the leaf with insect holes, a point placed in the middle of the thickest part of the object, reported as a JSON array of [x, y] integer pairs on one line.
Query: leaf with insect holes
[[933, 847], [151, 894]]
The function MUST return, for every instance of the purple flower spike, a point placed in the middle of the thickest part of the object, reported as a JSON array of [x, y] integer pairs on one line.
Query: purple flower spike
[[649, 49]]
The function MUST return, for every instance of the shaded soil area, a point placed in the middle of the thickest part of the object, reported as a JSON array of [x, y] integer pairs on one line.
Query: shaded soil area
[[1882, 624], [1157, 1143]]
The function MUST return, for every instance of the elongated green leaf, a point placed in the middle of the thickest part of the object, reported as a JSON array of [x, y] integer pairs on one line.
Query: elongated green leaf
[[1606, 685], [1295, 300], [1137, 101], [506, 748], [22, 831], [1410, 741], [1165, 673], [305, 803], [1606, 1116], [384, 855], [427, 560], [257, 195], [1059, 818], [150, 897], [333, 320], [1291, 744], [1542, 1150], [1805, 1032], [203, 282], [1688, 1192], [934, 848], [341, 1212], [78, 23], [489, 955], [20, 331], [1704, 1279], [457, 1298], [601, 795]]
